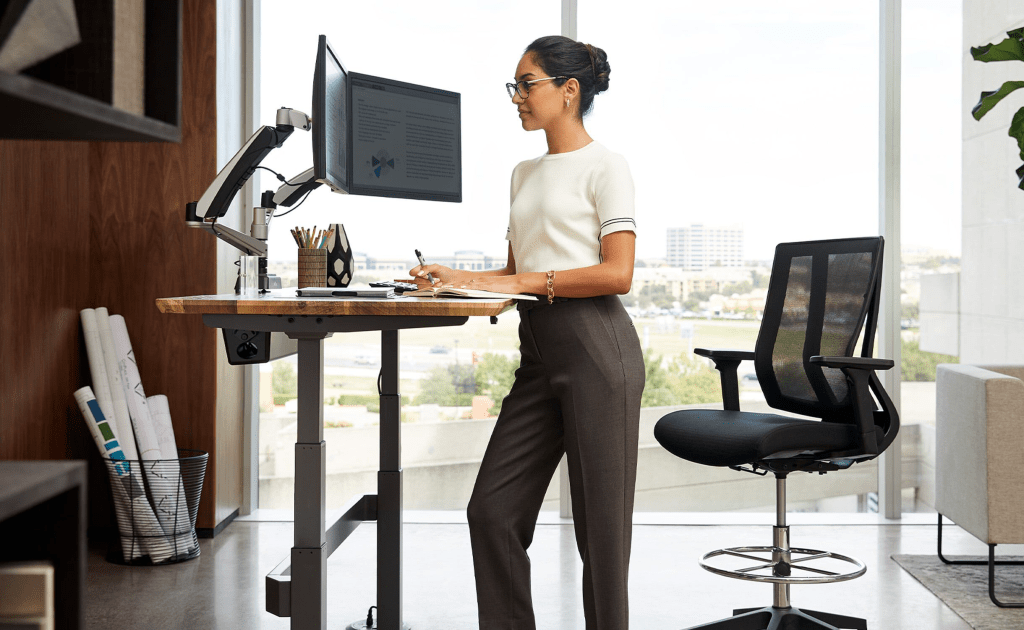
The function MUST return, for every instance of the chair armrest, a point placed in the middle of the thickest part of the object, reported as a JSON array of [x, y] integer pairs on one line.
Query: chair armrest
[[714, 355], [856, 363], [859, 371], [727, 362]]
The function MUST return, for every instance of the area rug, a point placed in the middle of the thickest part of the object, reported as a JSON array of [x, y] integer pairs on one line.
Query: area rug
[[964, 588]]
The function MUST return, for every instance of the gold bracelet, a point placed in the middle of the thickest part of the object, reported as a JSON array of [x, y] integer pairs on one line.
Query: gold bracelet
[[551, 287]]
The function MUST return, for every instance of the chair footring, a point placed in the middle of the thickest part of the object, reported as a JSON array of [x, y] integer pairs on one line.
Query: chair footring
[[783, 566], [771, 618]]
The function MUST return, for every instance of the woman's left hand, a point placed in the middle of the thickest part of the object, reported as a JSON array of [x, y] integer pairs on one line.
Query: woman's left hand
[[498, 284]]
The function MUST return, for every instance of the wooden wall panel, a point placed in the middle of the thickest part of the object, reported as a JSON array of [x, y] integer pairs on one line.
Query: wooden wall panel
[[84, 225], [44, 254]]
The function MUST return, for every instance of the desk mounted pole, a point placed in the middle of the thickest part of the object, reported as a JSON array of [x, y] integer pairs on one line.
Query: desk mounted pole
[[309, 553], [389, 489]]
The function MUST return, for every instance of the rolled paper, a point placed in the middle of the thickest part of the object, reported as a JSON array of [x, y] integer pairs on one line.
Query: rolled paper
[[119, 412], [142, 422], [97, 363], [160, 412], [131, 498]]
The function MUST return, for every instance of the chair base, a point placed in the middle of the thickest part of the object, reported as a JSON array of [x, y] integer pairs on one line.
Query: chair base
[[772, 618]]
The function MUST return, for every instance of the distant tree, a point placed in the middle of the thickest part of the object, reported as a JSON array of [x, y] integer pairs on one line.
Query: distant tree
[[285, 383], [495, 374], [657, 295], [910, 310], [448, 385], [684, 380], [758, 280], [742, 288], [692, 303], [917, 365]]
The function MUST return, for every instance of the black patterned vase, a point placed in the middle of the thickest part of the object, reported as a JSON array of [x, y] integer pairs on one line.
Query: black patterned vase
[[340, 266]]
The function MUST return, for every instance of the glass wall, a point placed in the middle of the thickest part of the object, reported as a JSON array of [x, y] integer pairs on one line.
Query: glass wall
[[448, 374], [745, 124], [931, 226]]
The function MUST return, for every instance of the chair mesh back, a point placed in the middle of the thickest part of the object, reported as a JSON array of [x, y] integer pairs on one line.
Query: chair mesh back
[[819, 297]]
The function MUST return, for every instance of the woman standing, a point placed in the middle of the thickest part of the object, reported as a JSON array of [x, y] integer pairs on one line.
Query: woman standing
[[577, 391]]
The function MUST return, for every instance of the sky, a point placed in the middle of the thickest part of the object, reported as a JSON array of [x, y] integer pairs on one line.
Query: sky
[[763, 115]]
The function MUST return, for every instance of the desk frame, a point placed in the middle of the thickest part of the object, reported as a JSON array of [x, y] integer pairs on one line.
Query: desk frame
[[297, 587]]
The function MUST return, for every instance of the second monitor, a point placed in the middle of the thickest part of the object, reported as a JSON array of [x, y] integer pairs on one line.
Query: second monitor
[[377, 136]]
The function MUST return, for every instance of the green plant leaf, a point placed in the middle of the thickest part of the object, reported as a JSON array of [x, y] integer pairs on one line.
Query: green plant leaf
[[1010, 49], [1017, 130], [990, 99]]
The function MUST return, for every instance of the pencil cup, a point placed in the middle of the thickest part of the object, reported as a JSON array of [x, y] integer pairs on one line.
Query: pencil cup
[[312, 268], [340, 268], [156, 502]]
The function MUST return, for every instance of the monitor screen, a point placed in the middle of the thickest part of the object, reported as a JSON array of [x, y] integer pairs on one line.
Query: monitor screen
[[405, 140], [330, 120]]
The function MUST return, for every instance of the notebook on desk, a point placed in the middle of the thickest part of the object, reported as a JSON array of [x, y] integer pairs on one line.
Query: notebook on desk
[[451, 292], [385, 292]]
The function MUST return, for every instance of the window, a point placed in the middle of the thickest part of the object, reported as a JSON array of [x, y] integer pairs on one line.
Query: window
[[736, 151], [930, 210], [762, 116], [474, 48]]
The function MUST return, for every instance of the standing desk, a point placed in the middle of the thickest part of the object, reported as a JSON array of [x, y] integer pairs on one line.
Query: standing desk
[[297, 587]]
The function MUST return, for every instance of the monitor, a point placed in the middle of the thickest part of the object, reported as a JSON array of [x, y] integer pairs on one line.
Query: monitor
[[330, 121], [381, 137], [405, 140]]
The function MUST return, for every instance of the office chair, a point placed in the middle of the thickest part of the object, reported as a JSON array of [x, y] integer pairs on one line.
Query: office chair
[[820, 296]]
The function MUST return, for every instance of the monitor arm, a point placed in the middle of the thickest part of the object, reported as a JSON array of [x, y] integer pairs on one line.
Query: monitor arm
[[215, 201]]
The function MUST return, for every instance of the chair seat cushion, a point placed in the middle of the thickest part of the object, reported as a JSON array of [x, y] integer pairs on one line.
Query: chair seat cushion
[[730, 438]]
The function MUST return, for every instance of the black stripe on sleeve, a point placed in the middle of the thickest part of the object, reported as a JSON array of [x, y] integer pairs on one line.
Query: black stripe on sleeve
[[619, 220]]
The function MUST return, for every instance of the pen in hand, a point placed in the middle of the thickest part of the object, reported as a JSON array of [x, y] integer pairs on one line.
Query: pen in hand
[[423, 263]]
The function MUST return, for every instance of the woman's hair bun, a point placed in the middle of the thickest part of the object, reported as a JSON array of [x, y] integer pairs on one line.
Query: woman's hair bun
[[601, 68]]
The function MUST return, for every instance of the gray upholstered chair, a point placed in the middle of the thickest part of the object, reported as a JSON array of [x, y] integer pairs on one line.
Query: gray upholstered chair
[[979, 459]]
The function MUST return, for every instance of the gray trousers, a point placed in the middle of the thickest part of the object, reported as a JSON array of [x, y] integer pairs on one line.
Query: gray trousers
[[577, 391]]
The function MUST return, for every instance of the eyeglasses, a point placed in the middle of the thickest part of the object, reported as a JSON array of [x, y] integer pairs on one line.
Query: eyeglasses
[[522, 88]]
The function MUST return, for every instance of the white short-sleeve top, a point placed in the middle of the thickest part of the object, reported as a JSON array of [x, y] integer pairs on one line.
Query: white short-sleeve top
[[562, 204]]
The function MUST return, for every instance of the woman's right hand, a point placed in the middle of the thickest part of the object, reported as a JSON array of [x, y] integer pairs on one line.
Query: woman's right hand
[[442, 275]]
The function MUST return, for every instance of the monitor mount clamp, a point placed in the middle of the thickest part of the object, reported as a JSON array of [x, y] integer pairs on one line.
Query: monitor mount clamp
[[215, 202]]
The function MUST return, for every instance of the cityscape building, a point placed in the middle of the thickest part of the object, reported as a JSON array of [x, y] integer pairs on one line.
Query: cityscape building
[[698, 247]]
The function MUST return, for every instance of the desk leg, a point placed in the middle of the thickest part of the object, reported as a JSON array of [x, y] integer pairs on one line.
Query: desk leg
[[389, 490], [309, 554]]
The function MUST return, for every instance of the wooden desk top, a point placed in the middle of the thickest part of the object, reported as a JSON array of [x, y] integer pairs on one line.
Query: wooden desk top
[[285, 302]]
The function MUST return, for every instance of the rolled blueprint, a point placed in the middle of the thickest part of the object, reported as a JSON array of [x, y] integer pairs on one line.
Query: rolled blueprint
[[134, 394], [130, 498], [160, 412], [97, 364], [119, 412], [142, 422]]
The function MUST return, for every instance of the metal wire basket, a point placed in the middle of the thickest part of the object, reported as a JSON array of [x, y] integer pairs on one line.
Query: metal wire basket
[[155, 505]]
